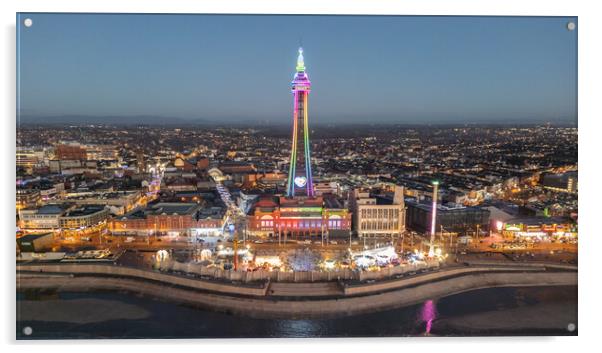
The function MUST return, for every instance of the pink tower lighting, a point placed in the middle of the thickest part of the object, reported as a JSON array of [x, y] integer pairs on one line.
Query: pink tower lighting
[[433, 218]]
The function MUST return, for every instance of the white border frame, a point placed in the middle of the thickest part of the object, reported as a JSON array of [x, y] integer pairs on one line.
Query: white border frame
[[589, 123]]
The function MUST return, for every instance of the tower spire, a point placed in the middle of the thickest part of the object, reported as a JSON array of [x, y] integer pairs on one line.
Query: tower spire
[[300, 62]]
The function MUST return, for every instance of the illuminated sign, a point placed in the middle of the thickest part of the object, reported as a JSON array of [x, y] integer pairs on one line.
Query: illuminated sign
[[499, 225], [300, 209], [300, 181]]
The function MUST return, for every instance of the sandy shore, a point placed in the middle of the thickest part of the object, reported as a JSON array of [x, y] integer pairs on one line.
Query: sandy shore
[[88, 310], [548, 316]]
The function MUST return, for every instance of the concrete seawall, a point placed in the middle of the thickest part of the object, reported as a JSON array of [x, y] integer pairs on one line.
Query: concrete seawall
[[257, 301], [257, 289]]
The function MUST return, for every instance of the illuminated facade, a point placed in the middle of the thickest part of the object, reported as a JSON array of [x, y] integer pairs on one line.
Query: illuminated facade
[[537, 227], [171, 218], [84, 217], [287, 218], [300, 182]]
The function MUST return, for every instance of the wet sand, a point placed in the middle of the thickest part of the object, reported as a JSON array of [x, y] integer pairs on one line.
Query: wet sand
[[89, 310], [532, 318]]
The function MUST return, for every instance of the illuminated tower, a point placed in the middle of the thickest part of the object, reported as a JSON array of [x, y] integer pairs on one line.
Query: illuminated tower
[[300, 182]]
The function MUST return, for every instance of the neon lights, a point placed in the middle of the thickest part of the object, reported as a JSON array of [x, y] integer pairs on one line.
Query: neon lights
[[290, 189], [300, 62], [301, 87], [300, 209], [300, 181], [310, 186]]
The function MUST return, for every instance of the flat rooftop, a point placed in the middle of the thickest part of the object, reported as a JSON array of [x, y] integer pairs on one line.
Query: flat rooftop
[[85, 211], [443, 208], [532, 221], [32, 237], [172, 208], [52, 209], [214, 212]]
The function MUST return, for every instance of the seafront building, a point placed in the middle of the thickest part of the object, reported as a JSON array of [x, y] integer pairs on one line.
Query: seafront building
[[378, 214], [172, 218], [450, 218]]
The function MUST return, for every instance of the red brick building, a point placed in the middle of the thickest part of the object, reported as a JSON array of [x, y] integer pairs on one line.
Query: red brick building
[[70, 152], [169, 218], [299, 218]]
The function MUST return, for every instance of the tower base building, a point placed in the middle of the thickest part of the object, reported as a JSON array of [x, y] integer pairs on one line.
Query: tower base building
[[311, 219]]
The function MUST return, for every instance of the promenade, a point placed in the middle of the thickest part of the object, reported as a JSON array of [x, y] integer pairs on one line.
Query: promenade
[[290, 299]]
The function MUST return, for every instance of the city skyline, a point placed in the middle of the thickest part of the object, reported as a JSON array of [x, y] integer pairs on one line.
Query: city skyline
[[422, 70]]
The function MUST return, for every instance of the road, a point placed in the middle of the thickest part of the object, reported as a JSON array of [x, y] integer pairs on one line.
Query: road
[[539, 251]]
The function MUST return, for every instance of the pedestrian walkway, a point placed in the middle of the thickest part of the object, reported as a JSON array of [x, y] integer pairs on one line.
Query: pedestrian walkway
[[317, 289]]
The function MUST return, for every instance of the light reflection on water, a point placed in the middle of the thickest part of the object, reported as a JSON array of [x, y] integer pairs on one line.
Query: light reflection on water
[[428, 314], [298, 328]]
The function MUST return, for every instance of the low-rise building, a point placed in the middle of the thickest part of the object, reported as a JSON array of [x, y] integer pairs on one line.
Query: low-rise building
[[566, 182], [378, 214], [172, 218], [118, 202], [26, 158], [43, 218], [35, 242], [84, 217], [70, 151], [539, 227], [27, 198], [451, 218]]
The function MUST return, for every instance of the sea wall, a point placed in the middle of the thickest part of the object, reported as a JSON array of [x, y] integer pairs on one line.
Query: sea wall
[[351, 299], [98, 270]]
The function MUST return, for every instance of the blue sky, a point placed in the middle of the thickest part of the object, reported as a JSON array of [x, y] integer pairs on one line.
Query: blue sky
[[233, 68]]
